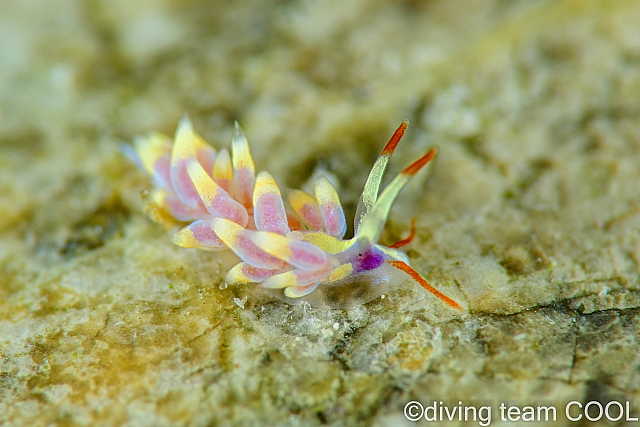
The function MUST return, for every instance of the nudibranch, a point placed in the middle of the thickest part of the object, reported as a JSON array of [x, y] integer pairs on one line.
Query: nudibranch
[[297, 253]]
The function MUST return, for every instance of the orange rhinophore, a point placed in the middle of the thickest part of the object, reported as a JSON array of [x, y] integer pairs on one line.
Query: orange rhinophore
[[296, 252]]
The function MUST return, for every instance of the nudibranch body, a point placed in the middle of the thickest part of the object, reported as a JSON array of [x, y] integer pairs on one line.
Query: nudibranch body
[[296, 254]]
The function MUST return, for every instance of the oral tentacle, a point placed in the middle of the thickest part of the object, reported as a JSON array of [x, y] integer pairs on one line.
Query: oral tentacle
[[408, 239], [423, 282]]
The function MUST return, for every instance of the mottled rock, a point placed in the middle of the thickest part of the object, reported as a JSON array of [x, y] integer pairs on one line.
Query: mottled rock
[[531, 215]]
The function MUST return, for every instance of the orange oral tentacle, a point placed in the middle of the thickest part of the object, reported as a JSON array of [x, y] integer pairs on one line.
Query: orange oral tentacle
[[418, 278], [408, 239]]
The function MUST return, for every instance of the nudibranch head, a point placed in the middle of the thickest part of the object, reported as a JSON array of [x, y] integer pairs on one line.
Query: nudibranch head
[[296, 252]]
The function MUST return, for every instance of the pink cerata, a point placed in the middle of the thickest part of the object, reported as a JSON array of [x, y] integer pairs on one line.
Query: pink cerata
[[297, 254]]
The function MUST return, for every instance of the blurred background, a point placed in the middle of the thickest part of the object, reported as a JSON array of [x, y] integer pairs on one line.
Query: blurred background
[[530, 217]]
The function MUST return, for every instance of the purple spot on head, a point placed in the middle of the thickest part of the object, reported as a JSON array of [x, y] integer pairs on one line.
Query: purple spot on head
[[369, 260]]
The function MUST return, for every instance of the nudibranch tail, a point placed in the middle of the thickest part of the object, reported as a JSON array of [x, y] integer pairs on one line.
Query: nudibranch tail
[[422, 281], [372, 224], [372, 185]]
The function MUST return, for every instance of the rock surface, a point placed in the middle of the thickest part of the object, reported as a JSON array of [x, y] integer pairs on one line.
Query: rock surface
[[531, 216]]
